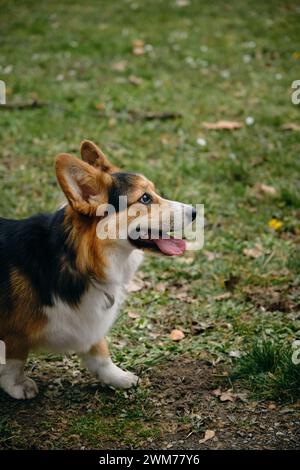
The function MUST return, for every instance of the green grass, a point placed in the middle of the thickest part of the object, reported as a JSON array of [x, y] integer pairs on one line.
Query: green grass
[[268, 370], [210, 61]]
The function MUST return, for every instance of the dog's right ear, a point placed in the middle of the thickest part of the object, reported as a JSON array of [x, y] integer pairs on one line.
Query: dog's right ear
[[91, 154]]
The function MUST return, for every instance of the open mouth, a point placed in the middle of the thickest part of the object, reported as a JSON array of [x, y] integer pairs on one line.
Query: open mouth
[[168, 245]]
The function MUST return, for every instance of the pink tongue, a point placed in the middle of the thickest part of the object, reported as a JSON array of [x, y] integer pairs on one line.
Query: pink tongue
[[171, 246]]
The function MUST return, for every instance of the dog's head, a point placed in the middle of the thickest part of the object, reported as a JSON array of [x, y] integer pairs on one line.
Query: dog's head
[[128, 202]]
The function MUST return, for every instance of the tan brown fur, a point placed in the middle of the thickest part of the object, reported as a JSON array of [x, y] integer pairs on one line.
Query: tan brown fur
[[91, 154], [92, 184], [100, 349], [21, 327], [90, 251]]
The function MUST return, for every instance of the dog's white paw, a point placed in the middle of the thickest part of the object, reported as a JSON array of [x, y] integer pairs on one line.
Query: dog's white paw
[[21, 391], [111, 374]]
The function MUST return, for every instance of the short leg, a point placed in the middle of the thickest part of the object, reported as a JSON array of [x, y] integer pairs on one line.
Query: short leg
[[14, 382], [99, 363]]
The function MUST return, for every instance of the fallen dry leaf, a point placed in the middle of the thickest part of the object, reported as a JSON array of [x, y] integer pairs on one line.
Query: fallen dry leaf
[[100, 106], [177, 335], [120, 66], [133, 315], [134, 80], [220, 125], [221, 297], [227, 396], [135, 285], [138, 47], [138, 51], [138, 43], [209, 434], [261, 189], [291, 126], [272, 406], [255, 252]]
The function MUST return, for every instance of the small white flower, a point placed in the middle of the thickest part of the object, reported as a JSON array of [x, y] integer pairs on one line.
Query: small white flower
[[200, 141], [235, 353], [250, 44], [189, 60], [232, 156], [202, 63], [148, 47], [278, 76], [7, 70], [246, 58], [60, 77], [182, 3], [249, 120], [225, 74]]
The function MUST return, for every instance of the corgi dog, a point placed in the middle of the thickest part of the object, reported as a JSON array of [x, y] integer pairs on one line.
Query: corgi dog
[[61, 285]]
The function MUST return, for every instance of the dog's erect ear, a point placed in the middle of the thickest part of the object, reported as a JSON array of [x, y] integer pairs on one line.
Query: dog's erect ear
[[84, 186], [91, 154]]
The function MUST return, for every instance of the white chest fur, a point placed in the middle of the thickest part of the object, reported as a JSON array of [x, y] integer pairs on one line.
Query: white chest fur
[[76, 329]]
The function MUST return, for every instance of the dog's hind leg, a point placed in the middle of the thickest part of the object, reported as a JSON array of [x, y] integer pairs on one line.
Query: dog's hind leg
[[99, 363]]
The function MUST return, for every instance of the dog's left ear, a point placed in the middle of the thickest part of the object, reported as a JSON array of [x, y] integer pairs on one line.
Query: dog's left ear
[[84, 186], [91, 154]]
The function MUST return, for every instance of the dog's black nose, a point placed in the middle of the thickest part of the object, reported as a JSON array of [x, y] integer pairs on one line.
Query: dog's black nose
[[194, 213]]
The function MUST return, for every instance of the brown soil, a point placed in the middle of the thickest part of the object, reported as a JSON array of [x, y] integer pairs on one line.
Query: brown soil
[[183, 401]]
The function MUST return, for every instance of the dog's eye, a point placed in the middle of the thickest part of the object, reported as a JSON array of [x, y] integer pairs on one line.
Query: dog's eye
[[146, 199]]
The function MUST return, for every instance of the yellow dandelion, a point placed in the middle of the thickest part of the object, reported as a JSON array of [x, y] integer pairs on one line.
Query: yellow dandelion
[[275, 224]]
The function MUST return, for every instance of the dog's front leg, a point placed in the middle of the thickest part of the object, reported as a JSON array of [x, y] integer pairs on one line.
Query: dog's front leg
[[14, 382], [99, 363]]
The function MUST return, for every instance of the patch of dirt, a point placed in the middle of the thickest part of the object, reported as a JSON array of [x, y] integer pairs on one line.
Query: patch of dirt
[[274, 299], [186, 389], [184, 399]]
